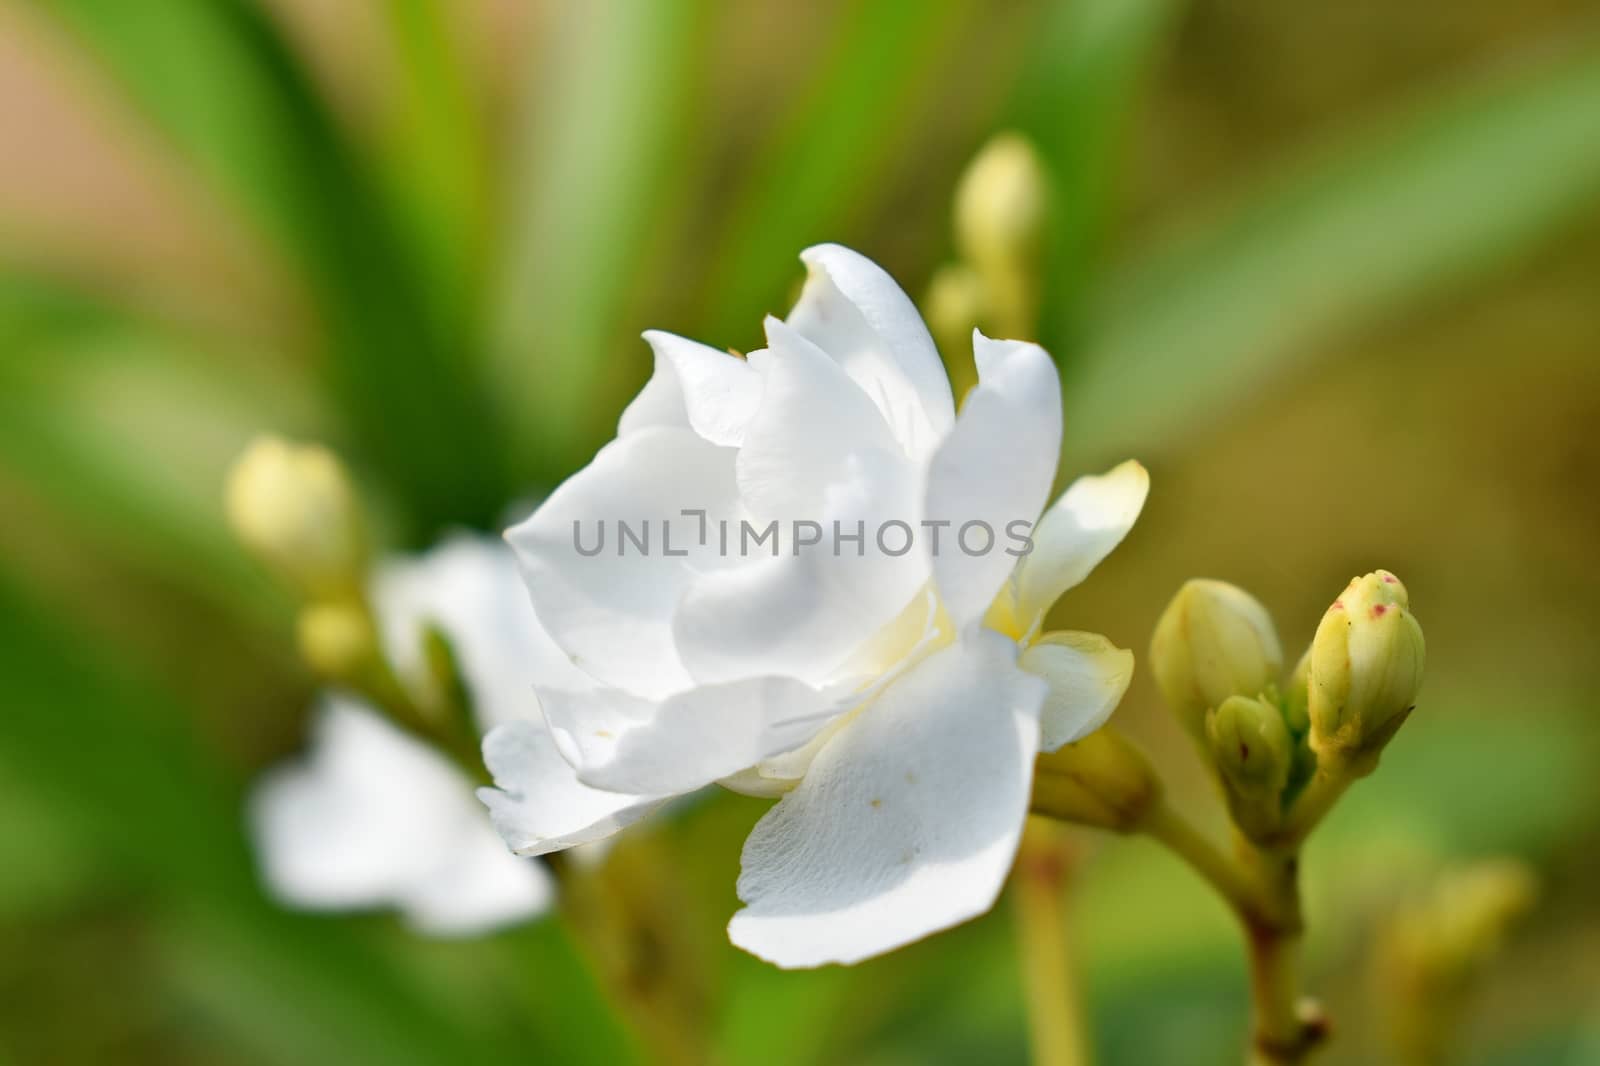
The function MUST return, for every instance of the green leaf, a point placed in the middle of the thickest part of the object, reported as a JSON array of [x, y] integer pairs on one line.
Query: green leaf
[[434, 157], [126, 428], [608, 118], [829, 155], [112, 757], [1439, 197], [219, 79]]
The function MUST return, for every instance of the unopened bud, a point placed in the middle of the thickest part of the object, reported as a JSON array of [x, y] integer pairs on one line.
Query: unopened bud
[[1478, 905], [336, 640], [1437, 949], [1002, 205], [292, 505], [954, 304], [1366, 667], [1213, 641], [1252, 747], [953, 307], [1100, 780]]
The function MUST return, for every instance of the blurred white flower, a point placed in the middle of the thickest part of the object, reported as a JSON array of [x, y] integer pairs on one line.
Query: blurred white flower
[[373, 817], [895, 699]]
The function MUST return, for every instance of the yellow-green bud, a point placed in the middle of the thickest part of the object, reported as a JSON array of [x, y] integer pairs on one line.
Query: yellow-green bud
[[1438, 947], [292, 505], [1366, 667], [1251, 746], [1002, 204], [1213, 641], [1476, 906], [1100, 780], [336, 640], [954, 305]]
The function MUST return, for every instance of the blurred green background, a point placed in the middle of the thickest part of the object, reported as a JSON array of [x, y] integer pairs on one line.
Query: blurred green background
[[1329, 270]]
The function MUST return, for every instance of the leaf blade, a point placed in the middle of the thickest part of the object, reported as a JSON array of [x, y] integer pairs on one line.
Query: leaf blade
[[1433, 200]]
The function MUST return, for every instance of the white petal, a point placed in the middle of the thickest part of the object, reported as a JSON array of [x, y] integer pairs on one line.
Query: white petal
[[804, 612], [612, 611], [906, 822], [994, 468], [660, 403], [814, 429], [372, 818], [817, 455], [921, 629], [325, 833], [714, 393], [469, 588], [1080, 529], [689, 740], [854, 311], [477, 886], [538, 804], [1087, 675]]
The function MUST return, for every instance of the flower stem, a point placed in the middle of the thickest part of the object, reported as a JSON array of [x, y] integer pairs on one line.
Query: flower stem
[[1314, 801], [626, 915], [1166, 825], [1044, 864], [1274, 961], [1262, 889], [1285, 1028]]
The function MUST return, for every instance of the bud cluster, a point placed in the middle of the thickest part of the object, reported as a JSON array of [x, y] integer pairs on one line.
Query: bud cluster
[[293, 506], [1218, 663]]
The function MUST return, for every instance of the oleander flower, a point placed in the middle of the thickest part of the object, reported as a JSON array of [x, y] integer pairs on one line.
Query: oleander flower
[[890, 684], [373, 817]]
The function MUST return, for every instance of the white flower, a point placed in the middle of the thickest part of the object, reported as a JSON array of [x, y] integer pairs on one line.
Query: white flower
[[374, 817], [894, 700]]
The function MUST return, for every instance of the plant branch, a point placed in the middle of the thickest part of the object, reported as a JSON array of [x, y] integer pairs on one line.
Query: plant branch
[[1262, 889], [1050, 986], [1166, 825], [1313, 803]]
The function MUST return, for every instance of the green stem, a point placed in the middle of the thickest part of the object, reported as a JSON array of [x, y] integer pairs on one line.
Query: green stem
[[1166, 825], [1050, 983], [625, 916], [1277, 1038], [1285, 1028], [1314, 802], [1262, 888]]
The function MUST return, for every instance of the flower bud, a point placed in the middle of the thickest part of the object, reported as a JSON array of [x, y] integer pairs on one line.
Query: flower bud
[[1252, 747], [1436, 949], [292, 505], [954, 305], [336, 640], [1001, 205], [1366, 667], [1213, 641], [1100, 780]]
